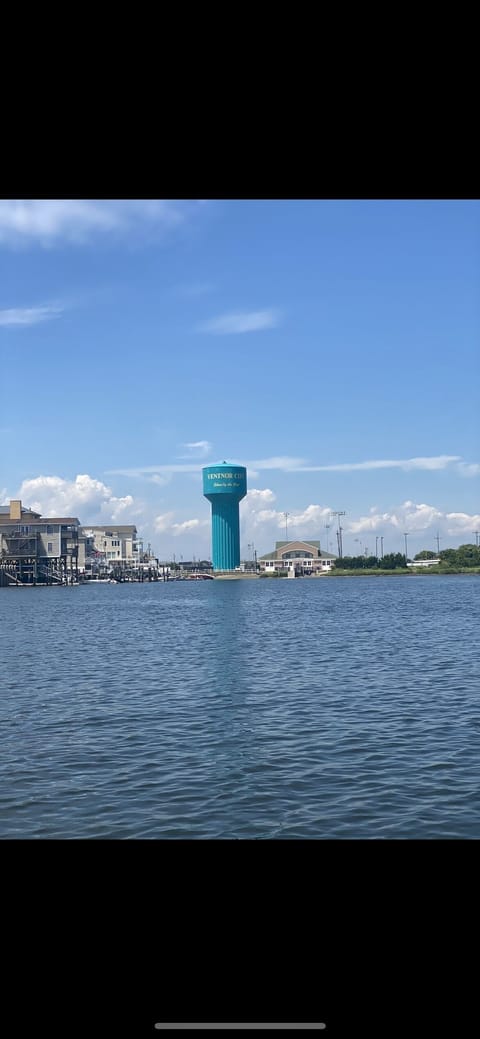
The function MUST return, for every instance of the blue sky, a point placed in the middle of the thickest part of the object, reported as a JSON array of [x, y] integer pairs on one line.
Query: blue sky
[[331, 346]]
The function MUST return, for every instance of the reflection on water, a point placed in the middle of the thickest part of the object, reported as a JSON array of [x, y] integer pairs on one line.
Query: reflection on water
[[342, 708]]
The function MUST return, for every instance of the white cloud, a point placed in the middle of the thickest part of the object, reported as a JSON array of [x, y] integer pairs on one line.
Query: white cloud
[[469, 469], [294, 464], [314, 516], [416, 519], [407, 517], [461, 523], [160, 480], [197, 449], [248, 321], [286, 463], [269, 523], [116, 508], [29, 315], [164, 524], [55, 221], [430, 463], [258, 496], [141, 470], [84, 497], [188, 525]]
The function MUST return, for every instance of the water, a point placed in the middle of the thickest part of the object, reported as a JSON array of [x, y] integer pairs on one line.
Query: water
[[316, 708]]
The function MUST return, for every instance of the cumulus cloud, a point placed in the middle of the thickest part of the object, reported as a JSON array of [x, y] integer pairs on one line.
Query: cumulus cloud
[[116, 508], [75, 221], [257, 496], [29, 315], [84, 497], [417, 519], [188, 525], [409, 516], [165, 524], [462, 523], [247, 321], [260, 519]]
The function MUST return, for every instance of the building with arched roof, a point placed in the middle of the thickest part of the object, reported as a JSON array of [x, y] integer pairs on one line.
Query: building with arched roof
[[304, 557]]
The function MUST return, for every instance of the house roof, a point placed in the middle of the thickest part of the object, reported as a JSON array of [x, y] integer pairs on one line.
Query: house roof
[[274, 555], [5, 512], [296, 541], [35, 519], [112, 528]]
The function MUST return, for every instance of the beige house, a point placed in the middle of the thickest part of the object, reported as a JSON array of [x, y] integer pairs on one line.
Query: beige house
[[115, 545], [300, 557]]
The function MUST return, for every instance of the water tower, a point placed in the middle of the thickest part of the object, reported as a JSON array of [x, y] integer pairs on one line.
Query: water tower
[[225, 485]]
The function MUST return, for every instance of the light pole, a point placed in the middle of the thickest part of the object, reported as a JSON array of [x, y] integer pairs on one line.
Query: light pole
[[406, 549], [286, 515], [359, 542], [339, 533]]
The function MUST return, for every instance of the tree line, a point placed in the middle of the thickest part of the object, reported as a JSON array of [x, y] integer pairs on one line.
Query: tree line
[[391, 561], [464, 556]]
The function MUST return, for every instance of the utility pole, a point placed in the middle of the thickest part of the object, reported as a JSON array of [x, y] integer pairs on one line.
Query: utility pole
[[477, 533], [406, 550], [438, 539], [339, 534], [286, 514]]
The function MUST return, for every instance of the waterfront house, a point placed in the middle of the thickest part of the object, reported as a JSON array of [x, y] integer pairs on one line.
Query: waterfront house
[[36, 549]]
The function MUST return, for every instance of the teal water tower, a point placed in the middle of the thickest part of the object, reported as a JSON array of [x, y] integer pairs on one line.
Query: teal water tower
[[225, 485]]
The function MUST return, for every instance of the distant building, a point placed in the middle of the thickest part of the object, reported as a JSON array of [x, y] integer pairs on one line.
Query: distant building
[[36, 549], [424, 562], [304, 557], [112, 545]]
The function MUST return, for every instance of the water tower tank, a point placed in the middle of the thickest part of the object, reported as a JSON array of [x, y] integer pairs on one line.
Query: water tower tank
[[225, 485]]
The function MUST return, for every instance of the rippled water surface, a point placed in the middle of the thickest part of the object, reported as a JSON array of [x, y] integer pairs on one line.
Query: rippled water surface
[[316, 708]]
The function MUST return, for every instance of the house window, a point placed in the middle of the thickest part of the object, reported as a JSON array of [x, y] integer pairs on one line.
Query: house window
[[50, 546]]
